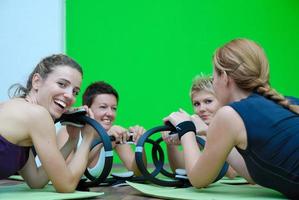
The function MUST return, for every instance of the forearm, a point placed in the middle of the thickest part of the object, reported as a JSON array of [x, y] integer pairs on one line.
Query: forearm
[[128, 157], [175, 157], [79, 161], [34, 176], [69, 147], [191, 153]]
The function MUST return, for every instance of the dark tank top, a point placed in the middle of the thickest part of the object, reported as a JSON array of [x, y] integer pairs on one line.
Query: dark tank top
[[12, 157], [272, 153]]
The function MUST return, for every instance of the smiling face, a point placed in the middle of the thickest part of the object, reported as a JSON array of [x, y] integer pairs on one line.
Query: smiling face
[[205, 105], [104, 107], [58, 90]]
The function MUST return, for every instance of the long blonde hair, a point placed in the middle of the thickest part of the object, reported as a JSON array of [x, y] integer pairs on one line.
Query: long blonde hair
[[246, 63]]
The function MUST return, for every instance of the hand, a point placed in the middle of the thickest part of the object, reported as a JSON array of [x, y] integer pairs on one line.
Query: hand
[[178, 117], [170, 139], [88, 130], [137, 132], [201, 126], [120, 134], [73, 131]]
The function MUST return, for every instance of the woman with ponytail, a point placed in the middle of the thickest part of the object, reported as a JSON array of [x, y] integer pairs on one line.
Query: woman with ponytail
[[257, 131]]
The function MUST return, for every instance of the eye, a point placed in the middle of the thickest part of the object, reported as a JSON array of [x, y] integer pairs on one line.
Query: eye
[[76, 92], [61, 84], [102, 107], [208, 101], [114, 108], [196, 104]]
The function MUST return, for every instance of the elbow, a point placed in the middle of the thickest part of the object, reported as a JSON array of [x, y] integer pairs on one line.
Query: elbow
[[36, 185], [197, 184], [65, 189]]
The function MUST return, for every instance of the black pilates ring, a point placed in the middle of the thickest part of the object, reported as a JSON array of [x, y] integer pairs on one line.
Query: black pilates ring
[[153, 179], [158, 162], [83, 119]]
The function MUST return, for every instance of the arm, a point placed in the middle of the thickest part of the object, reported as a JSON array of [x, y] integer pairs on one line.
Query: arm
[[67, 140], [203, 167], [125, 152], [175, 156], [64, 177]]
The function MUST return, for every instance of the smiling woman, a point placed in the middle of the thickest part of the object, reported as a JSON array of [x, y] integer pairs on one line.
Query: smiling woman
[[28, 120], [102, 99]]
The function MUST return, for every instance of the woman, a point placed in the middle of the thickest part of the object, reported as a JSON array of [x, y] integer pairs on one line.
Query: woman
[[28, 120], [205, 106], [102, 99], [262, 124]]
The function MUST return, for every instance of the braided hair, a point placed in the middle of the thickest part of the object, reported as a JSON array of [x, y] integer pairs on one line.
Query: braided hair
[[246, 63]]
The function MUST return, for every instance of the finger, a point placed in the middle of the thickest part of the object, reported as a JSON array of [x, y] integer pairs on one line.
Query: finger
[[183, 111]]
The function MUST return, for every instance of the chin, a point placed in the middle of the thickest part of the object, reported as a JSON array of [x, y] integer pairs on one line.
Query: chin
[[106, 127], [55, 115], [207, 122]]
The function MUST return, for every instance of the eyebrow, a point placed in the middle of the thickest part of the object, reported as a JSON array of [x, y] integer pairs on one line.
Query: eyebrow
[[63, 79]]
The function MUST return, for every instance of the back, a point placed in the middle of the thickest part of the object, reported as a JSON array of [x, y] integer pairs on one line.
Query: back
[[272, 154]]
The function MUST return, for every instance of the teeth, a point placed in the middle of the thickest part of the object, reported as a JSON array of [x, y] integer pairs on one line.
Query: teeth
[[107, 120], [61, 103]]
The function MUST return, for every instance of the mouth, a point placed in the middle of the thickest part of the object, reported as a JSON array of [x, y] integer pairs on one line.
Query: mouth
[[107, 121], [61, 104], [205, 117]]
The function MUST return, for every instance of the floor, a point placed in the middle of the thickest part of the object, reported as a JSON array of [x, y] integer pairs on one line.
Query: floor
[[110, 193]]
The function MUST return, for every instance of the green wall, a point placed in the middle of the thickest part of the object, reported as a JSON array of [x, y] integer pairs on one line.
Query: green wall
[[151, 50]]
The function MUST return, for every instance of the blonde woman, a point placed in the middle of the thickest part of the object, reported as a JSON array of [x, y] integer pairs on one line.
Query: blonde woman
[[258, 121], [205, 105]]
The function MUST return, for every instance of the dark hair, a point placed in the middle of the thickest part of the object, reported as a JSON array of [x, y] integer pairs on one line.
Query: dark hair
[[96, 88], [43, 68]]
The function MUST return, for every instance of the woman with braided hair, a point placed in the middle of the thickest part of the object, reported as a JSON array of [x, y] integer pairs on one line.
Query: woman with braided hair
[[261, 124]]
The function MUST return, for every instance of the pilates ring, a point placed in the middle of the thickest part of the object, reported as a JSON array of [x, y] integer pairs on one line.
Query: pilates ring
[[158, 152], [150, 177], [81, 118], [159, 164]]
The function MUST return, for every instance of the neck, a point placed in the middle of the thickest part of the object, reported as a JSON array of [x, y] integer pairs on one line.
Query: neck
[[31, 98], [237, 94]]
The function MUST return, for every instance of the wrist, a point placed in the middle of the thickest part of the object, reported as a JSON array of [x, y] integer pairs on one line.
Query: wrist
[[185, 127]]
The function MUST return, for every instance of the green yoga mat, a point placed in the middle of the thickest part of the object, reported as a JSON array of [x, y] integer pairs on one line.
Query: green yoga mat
[[22, 191], [213, 192]]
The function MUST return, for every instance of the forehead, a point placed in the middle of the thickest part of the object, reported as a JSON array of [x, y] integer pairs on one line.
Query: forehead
[[68, 73], [109, 99], [202, 94]]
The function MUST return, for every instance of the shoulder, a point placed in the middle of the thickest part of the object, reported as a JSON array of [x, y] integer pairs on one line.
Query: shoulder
[[228, 120], [30, 115], [34, 112]]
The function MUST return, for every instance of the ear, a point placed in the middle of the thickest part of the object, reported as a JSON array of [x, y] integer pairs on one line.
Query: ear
[[225, 78], [36, 81]]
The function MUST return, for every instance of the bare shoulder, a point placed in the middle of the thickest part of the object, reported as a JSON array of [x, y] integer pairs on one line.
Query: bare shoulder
[[227, 112], [228, 119], [20, 111]]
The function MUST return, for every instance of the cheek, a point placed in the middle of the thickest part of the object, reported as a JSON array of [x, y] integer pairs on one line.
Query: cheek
[[98, 115], [196, 109]]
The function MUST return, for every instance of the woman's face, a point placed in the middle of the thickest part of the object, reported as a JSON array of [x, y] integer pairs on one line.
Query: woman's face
[[205, 105], [104, 108], [58, 91]]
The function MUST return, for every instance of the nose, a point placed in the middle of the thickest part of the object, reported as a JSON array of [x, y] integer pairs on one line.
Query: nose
[[201, 108], [68, 95], [110, 112]]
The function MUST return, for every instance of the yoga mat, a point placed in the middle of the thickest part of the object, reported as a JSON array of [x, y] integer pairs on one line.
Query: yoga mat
[[213, 192], [22, 191], [235, 181]]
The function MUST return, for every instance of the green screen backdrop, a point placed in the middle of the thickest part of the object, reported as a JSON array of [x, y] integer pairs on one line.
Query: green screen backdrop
[[151, 50]]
